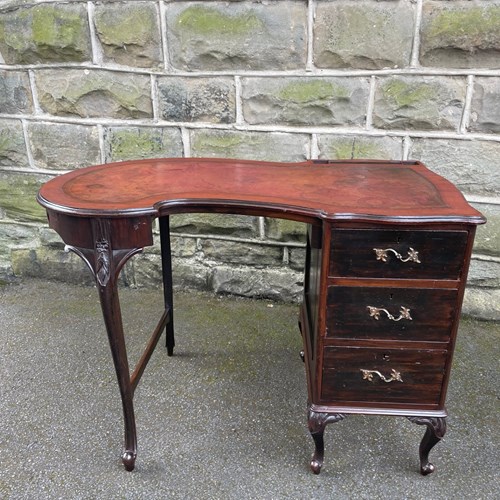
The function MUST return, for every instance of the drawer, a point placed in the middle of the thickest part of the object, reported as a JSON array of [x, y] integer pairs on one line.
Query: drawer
[[413, 314], [365, 375], [368, 253]]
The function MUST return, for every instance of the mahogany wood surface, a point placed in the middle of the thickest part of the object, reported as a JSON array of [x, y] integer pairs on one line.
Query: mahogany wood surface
[[344, 384], [387, 255], [432, 311], [441, 251], [343, 189]]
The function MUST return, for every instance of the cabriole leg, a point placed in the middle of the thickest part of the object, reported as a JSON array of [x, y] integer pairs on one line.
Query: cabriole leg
[[436, 429], [317, 422], [106, 263]]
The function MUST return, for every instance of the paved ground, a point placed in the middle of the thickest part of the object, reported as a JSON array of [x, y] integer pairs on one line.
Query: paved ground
[[224, 418]]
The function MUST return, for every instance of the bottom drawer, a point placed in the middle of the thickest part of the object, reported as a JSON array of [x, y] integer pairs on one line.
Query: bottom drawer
[[366, 374]]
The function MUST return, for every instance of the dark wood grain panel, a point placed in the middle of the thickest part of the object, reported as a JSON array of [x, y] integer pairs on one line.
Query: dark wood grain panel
[[432, 313], [130, 232], [421, 370], [441, 253]]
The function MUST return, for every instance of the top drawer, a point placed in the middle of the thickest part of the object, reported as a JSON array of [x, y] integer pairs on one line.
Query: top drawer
[[384, 253]]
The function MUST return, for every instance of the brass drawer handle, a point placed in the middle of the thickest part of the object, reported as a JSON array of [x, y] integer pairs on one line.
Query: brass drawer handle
[[368, 375], [381, 254], [404, 313]]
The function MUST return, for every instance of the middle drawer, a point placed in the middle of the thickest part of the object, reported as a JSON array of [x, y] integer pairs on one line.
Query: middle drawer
[[379, 313]]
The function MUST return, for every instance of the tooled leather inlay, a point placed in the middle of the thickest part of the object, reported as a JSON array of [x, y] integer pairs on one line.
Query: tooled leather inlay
[[311, 186]]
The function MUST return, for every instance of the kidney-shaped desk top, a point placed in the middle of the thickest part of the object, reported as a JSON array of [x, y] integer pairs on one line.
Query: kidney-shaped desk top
[[326, 189]]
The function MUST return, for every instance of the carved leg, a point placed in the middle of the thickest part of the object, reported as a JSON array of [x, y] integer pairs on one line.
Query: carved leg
[[436, 429], [106, 263], [166, 262], [317, 422]]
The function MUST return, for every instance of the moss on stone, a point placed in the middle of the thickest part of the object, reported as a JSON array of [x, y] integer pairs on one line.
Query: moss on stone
[[4, 143], [208, 21], [224, 141], [475, 23], [313, 90], [135, 25], [18, 197], [404, 94], [285, 230], [2, 30], [355, 148], [95, 94], [133, 144], [45, 32], [11, 32], [56, 27]]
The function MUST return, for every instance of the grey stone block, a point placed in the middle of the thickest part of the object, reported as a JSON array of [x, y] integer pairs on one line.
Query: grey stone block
[[18, 196], [347, 147], [12, 144], [15, 94], [485, 111], [487, 239], [272, 283], [482, 304], [96, 93], [241, 253], [237, 35], [228, 224], [129, 33], [285, 230], [197, 99], [50, 264], [16, 236], [363, 34], [187, 274], [132, 143], [49, 238], [249, 145], [306, 101], [484, 274], [423, 103], [473, 166], [460, 34], [183, 247], [61, 146], [45, 33], [297, 259]]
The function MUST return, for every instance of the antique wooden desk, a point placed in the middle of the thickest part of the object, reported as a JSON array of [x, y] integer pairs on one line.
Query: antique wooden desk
[[388, 250]]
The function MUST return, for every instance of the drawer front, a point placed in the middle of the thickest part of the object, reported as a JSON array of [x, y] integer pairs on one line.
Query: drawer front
[[366, 375], [367, 253], [413, 314]]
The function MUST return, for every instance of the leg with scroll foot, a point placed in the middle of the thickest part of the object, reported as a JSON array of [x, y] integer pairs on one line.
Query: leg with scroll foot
[[436, 429], [317, 422], [106, 263]]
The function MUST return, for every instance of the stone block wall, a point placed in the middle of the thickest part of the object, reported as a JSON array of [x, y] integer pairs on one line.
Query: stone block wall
[[85, 82]]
